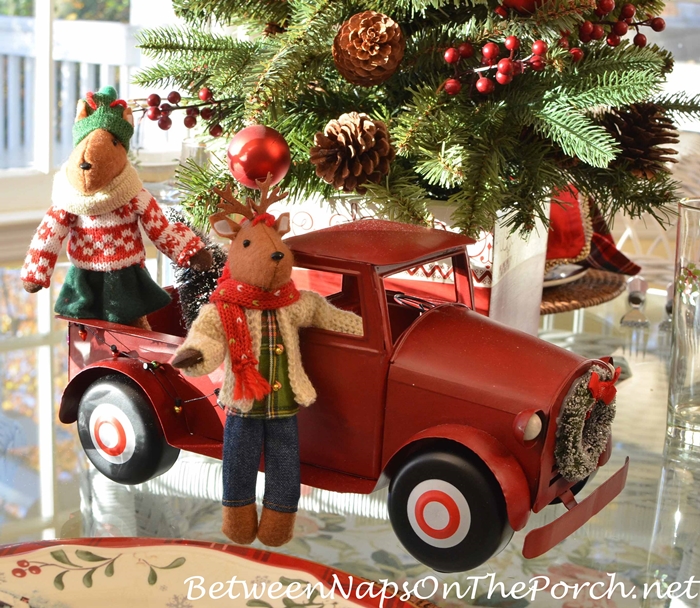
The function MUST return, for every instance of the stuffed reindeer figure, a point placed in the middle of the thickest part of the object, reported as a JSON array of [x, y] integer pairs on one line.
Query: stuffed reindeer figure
[[98, 202], [251, 324]]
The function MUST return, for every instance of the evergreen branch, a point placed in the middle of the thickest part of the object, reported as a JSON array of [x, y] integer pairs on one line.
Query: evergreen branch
[[679, 104], [163, 41], [444, 168], [577, 135], [399, 198], [611, 89], [310, 32], [228, 12], [171, 74], [417, 116]]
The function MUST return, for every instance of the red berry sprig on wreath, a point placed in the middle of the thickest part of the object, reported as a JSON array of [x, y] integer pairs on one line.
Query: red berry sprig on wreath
[[156, 109], [596, 30], [505, 68]]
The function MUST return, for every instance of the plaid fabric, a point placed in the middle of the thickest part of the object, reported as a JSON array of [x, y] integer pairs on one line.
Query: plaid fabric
[[273, 366], [604, 255]]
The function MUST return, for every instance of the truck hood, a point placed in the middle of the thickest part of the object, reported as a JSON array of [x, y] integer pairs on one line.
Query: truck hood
[[454, 351]]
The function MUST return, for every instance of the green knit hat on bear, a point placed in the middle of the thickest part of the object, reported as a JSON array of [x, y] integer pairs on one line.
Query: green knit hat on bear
[[104, 112]]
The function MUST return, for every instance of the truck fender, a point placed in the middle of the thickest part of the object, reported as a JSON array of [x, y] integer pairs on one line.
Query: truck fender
[[161, 392], [505, 468]]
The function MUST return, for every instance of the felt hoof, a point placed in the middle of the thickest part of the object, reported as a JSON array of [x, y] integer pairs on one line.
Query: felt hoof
[[276, 528], [240, 524]]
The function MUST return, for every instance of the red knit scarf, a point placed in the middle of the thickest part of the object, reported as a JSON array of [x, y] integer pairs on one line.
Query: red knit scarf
[[232, 298]]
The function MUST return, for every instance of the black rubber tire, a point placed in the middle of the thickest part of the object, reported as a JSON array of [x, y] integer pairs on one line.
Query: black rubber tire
[[489, 531], [150, 454]]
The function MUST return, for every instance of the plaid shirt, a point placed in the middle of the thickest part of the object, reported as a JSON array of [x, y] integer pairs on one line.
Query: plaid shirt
[[274, 368]]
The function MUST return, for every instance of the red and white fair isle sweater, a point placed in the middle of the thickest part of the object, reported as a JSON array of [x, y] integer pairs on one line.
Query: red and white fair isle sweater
[[103, 229]]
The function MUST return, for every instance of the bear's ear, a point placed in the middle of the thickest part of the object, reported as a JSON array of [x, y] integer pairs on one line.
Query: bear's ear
[[128, 115], [81, 111]]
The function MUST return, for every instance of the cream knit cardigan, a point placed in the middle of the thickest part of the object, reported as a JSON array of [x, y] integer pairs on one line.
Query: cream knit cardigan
[[311, 310]]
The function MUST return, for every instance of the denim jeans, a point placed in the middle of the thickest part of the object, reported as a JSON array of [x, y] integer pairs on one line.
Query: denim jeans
[[243, 442]]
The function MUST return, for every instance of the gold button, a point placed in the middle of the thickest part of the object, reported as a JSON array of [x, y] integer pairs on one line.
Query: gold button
[[276, 386], [279, 349]]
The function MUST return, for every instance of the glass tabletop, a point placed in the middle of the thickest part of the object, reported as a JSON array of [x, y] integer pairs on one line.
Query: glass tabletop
[[647, 536]]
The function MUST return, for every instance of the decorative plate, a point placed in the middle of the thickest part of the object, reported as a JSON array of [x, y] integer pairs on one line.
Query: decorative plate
[[158, 573], [563, 274]]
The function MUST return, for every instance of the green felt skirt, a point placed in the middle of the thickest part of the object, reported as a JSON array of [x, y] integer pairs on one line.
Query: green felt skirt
[[119, 296]]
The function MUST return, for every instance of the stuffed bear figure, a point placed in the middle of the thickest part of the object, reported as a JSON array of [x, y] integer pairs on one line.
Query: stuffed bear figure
[[98, 202], [251, 325]]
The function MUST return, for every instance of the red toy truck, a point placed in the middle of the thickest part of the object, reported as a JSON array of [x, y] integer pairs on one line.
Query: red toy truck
[[457, 414]]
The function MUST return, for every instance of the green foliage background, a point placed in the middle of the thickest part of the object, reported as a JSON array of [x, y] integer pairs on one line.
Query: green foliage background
[[480, 155]]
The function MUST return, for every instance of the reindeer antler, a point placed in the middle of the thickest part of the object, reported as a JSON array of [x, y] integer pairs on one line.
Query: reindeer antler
[[231, 204], [267, 198]]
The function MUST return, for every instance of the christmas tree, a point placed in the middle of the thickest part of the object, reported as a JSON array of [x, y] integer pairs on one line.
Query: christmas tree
[[486, 107]]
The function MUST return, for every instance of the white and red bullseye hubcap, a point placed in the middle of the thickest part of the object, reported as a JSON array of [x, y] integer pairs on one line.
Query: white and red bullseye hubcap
[[439, 513], [112, 433]]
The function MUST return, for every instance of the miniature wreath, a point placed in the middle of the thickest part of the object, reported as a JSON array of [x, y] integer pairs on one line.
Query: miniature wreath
[[584, 423]]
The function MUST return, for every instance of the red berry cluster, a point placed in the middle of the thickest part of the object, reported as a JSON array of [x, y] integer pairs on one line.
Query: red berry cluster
[[24, 567], [505, 68], [155, 110], [596, 30]]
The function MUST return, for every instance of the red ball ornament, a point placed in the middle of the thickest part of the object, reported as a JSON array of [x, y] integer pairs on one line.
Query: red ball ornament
[[539, 47], [452, 86], [613, 40], [524, 7], [490, 51], [640, 40], [658, 24], [452, 55], [628, 11], [512, 43], [485, 85], [256, 151], [466, 50], [576, 55]]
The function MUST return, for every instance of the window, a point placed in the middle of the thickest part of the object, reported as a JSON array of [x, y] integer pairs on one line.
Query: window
[[341, 290]]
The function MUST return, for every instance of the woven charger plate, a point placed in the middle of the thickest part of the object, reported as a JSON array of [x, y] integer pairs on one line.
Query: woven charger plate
[[595, 287]]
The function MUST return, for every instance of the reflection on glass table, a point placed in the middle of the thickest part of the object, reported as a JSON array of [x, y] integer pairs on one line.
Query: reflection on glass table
[[646, 536]]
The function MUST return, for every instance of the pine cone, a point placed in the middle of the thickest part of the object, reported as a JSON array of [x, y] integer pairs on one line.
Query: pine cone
[[642, 131], [351, 151], [368, 48]]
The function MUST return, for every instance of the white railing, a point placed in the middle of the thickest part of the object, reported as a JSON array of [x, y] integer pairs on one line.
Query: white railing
[[110, 50]]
